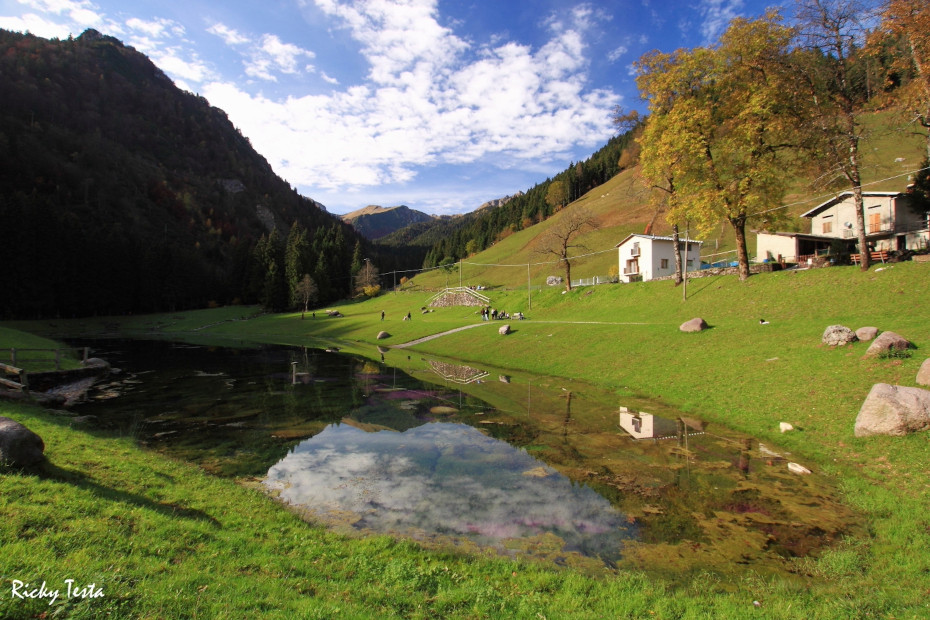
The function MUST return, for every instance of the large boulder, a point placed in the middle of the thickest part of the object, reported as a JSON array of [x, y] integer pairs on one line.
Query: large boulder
[[923, 375], [838, 335], [887, 342], [893, 410], [504, 330], [19, 446], [864, 334], [383, 335], [694, 325]]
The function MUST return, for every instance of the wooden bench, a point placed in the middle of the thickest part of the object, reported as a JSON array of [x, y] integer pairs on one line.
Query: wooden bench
[[874, 257]]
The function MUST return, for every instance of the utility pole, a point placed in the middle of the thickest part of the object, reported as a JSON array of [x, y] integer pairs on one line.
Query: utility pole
[[529, 294]]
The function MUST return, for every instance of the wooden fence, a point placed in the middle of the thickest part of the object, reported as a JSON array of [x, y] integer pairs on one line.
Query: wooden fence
[[18, 359], [22, 381]]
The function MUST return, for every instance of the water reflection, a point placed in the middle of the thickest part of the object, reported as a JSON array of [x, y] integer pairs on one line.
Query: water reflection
[[712, 500], [642, 425], [444, 479]]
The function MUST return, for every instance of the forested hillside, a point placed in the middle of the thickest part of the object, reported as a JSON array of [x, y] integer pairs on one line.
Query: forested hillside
[[121, 193], [457, 238]]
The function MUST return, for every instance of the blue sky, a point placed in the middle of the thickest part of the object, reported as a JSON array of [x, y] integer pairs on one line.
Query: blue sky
[[435, 104]]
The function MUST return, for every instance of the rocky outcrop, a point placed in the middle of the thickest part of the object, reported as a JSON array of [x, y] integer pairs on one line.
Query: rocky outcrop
[[887, 342], [19, 446], [694, 325], [893, 410], [838, 335]]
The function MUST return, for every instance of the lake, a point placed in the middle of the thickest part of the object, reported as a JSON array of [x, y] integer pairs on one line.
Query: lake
[[475, 458]]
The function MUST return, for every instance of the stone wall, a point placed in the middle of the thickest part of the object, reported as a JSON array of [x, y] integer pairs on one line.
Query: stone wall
[[455, 299]]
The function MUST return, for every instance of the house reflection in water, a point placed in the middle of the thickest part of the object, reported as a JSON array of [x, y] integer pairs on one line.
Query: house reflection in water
[[642, 425]]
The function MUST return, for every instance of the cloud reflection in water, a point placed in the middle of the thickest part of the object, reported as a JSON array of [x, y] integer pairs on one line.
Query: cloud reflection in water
[[446, 479]]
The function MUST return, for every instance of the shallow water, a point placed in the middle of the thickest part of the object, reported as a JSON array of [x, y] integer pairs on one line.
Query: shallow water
[[450, 454]]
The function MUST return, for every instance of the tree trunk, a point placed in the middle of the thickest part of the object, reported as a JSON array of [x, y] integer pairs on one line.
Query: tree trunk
[[742, 256], [568, 275], [864, 257], [678, 277]]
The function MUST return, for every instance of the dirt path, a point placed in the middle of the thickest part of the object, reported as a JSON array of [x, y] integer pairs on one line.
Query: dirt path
[[458, 329], [439, 335]]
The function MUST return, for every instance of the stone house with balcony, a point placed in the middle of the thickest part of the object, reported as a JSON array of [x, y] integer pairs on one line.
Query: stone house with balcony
[[646, 257], [891, 221]]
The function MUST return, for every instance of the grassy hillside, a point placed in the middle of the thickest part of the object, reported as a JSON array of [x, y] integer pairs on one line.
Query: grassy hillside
[[621, 206], [624, 338]]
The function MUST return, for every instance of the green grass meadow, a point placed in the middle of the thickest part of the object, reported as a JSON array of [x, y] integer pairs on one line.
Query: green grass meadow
[[165, 540]]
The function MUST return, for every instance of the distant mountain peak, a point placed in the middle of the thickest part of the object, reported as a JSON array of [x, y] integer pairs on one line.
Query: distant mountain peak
[[375, 222]]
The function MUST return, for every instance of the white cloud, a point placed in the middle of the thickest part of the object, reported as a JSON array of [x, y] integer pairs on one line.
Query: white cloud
[[428, 479], [431, 99], [229, 35], [617, 53], [273, 55], [717, 15], [270, 56], [37, 25], [56, 18]]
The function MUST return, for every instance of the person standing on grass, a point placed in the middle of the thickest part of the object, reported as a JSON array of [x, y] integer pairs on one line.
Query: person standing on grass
[[382, 315]]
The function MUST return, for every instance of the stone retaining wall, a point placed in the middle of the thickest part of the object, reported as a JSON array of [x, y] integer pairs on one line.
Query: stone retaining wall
[[455, 299]]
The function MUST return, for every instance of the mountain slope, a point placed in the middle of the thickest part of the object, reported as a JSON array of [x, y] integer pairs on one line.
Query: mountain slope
[[121, 193], [621, 206], [375, 222]]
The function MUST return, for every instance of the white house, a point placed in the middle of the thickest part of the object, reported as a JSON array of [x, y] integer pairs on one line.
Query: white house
[[891, 223], [646, 257]]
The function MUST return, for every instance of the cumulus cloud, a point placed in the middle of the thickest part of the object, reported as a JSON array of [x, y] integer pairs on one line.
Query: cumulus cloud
[[430, 98], [268, 56], [55, 18], [272, 56]]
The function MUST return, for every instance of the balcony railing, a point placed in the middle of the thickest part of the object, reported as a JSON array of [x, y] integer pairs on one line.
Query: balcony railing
[[629, 271]]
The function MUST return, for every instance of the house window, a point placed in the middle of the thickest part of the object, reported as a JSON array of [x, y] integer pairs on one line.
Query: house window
[[664, 263], [827, 227], [690, 263]]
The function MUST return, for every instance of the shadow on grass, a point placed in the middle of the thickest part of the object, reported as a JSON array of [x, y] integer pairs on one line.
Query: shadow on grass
[[50, 471], [692, 290]]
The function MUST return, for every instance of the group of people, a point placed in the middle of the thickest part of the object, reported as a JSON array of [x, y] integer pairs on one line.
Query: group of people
[[492, 313]]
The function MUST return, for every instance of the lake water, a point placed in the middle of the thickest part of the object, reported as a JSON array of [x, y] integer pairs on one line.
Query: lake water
[[477, 458]]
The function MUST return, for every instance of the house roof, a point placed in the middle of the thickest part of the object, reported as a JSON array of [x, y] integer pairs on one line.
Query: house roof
[[657, 238], [843, 196]]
